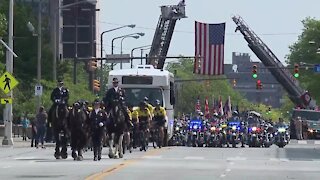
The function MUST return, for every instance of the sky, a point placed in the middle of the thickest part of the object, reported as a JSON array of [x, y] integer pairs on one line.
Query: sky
[[277, 23]]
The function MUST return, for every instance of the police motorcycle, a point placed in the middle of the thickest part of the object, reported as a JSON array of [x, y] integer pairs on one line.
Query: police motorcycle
[[179, 135], [254, 136], [222, 135], [233, 132], [267, 135], [282, 136], [194, 129]]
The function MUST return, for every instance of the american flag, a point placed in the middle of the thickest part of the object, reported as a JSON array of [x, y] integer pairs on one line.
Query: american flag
[[206, 107], [209, 45], [198, 106]]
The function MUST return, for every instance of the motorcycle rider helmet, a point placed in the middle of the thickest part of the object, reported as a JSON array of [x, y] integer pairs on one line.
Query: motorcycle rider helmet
[[235, 113], [158, 102], [146, 99], [215, 114], [200, 113]]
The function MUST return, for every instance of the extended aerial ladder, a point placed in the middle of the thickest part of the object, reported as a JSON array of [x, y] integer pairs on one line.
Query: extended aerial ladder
[[163, 34], [297, 95]]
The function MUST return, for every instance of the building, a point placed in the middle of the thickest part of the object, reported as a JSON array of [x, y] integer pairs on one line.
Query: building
[[241, 71]]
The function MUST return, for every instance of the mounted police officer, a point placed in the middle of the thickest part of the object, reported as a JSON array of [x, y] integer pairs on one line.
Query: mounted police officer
[[59, 95], [97, 119], [116, 94]]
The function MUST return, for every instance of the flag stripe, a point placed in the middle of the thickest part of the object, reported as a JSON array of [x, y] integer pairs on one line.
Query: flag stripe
[[195, 64]]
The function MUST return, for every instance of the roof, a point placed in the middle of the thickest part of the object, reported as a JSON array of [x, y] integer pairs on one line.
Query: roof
[[147, 70]]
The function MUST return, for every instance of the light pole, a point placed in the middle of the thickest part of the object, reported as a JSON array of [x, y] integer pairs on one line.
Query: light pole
[[136, 37], [142, 54], [112, 47], [54, 43], [135, 49], [101, 52]]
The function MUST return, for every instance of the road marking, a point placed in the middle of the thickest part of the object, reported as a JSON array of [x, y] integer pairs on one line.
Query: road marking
[[228, 170], [152, 157], [5, 167], [123, 164], [284, 159], [231, 163], [24, 158], [302, 142], [316, 142], [273, 159], [222, 175], [193, 158], [236, 158]]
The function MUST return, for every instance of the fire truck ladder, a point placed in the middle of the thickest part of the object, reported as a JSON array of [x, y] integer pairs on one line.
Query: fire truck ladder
[[277, 69], [163, 34]]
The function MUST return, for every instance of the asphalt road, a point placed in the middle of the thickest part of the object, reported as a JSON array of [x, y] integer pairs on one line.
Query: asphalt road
[[295, 161]]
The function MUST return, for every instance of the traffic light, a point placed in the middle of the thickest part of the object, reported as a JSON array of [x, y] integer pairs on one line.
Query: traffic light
[[259, 84], [96, 85], [254, 71], [296, 70], [93, 65], [234, 83], [269, 109]]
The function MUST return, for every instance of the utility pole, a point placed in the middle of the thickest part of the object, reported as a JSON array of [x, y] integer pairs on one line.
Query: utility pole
[[39, 53], [75, 44], [7, 115], [54, 43]]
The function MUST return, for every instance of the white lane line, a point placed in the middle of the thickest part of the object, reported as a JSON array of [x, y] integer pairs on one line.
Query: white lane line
[[236, 158], [302, 142], [284, 159], [231, 163], [222, 175], [193, 158], [24, 158], [152, 157], [228, 170], [316, 142], [274, 159], [5, 167]]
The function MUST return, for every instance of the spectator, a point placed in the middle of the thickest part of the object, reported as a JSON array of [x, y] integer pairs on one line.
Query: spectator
[[298, 127], [25, 124], [34, 134], [305, 128], [41, 121]]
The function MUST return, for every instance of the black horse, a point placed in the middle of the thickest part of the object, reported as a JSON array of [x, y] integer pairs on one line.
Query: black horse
[[115, 129], [58, 119], [78, 122]]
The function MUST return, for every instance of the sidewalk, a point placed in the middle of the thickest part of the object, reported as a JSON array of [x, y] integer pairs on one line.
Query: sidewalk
[[18, 143]]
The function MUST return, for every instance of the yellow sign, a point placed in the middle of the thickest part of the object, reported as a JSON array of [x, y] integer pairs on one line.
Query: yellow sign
[[7, 82], [6, 100]]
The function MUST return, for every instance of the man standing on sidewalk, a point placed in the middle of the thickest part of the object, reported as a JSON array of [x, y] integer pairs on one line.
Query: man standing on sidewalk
[[25, 124], [41, 121]]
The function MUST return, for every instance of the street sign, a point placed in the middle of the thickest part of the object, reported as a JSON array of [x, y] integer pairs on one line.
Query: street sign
[[6, 100], [316, 68], [8, 82], [38, 89], [118, 58]]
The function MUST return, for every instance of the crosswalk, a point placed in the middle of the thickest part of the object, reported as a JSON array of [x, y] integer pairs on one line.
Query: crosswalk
[[305, 142]]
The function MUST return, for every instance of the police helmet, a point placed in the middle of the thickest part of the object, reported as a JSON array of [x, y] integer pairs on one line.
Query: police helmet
[[200, 113], [235, 113], [146, 99], [215, 114]]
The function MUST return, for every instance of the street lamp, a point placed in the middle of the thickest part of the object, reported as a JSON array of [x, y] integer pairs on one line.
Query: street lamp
[[135, 49], [54, 44], [142, 54], [140, 34], [136, 37]]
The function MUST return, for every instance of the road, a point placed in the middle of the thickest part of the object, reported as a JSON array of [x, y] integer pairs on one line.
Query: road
[[299, 160]]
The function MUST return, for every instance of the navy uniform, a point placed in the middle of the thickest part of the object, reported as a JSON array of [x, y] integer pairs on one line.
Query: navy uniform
[[97, 118]]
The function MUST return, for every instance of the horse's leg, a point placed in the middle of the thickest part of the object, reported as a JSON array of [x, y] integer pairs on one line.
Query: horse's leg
[[111, 153], [73, 146], [117, 145], [64, 153], [120, 145], [80, 157], [57, 153]]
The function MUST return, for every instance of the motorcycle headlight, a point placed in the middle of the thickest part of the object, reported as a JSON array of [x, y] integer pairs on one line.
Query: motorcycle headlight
[[177, 128], [213, 128], [234, 128], [281, 130], [195, 127], [254, 128]]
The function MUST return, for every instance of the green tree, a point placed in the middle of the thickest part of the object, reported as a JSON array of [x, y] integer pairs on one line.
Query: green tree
[[3, 27], [304, 51]]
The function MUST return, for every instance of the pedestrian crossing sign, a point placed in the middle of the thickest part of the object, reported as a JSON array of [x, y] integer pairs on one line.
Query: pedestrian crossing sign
[[6, 100], [8, 82]]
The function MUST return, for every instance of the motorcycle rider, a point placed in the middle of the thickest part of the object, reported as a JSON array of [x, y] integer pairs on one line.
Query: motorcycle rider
[[160, 119], [97, 119]]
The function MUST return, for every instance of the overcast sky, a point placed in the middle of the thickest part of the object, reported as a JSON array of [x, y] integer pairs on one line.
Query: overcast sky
[[277, 22]]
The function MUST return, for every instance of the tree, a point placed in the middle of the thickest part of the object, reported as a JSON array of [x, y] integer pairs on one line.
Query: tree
[[304, 51], [3, 27]]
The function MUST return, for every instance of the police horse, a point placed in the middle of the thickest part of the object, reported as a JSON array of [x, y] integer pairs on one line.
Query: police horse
[[78, 125], [115, 129], [59, 120]]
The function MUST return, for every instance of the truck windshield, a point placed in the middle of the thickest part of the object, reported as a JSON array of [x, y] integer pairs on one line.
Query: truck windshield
[[308, 115], [136, 95]]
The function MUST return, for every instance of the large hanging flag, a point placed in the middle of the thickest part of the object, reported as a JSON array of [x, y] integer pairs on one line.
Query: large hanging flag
[[209, 47], [198, 105]]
